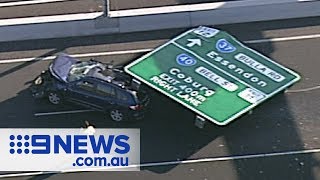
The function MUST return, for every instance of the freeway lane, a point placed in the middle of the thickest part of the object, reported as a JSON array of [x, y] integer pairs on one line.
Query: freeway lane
[[31, 8], [50, 8], [133, 4], [286, 123]]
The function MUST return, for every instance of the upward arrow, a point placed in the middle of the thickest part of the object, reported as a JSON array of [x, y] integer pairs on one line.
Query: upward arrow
[[193, 42]]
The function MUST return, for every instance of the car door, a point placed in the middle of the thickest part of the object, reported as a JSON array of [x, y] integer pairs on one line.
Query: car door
[[84, 92], [107, 94]]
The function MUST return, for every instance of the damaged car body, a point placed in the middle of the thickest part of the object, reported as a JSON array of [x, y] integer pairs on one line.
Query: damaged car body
[[91, 84]]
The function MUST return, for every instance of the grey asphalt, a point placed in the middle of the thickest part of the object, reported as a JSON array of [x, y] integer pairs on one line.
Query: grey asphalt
[[288, 122], [133, 4], [53, 8], [84, 6]]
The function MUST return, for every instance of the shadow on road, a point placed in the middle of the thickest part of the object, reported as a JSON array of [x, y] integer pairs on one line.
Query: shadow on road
[[25, 64]]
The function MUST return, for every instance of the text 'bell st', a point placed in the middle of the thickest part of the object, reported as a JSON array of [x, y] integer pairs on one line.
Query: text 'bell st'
[[212, 73]]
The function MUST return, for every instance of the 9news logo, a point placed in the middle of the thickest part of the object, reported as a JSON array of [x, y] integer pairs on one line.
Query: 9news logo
[[16, 141], [76, 144], [60, 149]]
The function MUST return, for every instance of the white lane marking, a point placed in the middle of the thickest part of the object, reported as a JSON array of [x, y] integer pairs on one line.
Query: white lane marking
[[303, 90], [307, 0], [50, 19], [191, 161], [25, 174], [192, 7], [229, 158], [134, 51], [62, 112], [312, 36], [20, 3], [6, 61], [76, 56], [166, 9]]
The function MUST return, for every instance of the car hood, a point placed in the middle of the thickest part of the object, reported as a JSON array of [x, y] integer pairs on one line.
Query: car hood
[[61, 66]]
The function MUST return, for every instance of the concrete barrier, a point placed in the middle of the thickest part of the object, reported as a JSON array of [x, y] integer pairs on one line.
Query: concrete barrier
[[153, 19]]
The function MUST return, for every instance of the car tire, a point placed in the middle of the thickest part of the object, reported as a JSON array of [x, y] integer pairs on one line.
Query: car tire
[[54, 98], [117, 115]]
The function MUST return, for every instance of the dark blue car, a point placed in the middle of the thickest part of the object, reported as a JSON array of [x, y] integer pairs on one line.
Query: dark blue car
[[91, 84]]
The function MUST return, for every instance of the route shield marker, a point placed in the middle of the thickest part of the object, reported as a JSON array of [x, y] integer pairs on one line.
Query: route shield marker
[[212, 73]]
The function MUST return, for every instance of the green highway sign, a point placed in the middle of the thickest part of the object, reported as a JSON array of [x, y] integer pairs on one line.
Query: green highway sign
[[212, 74]]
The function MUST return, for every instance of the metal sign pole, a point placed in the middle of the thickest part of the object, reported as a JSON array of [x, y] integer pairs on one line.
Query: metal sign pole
[[106, 7], [199, 122]]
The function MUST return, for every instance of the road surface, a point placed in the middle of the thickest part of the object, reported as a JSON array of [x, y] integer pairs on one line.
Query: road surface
[[288, 124]]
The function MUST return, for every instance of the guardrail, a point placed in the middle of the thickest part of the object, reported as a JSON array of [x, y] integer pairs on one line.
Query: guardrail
[[155, 18]]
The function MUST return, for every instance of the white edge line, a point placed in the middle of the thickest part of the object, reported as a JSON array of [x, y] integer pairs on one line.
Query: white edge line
[[312, 36], [165, 9], [303, 90], [113, 53], [194, 7], [307, 0], [236, 157], [63, 112], [6, 61], [19, 3], [49, 19], [24, 174], [165, 163]]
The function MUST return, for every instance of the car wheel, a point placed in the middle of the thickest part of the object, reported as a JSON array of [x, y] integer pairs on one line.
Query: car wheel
[[54, 98], [116, 115]]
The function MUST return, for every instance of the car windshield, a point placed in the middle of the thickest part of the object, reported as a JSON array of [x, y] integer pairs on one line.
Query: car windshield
[[80, 69]]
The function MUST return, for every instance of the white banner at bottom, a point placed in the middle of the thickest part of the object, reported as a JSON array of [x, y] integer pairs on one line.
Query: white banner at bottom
[[69, 149]]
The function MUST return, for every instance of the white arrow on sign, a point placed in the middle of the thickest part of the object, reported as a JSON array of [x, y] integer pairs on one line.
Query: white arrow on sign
[[194, 42]]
